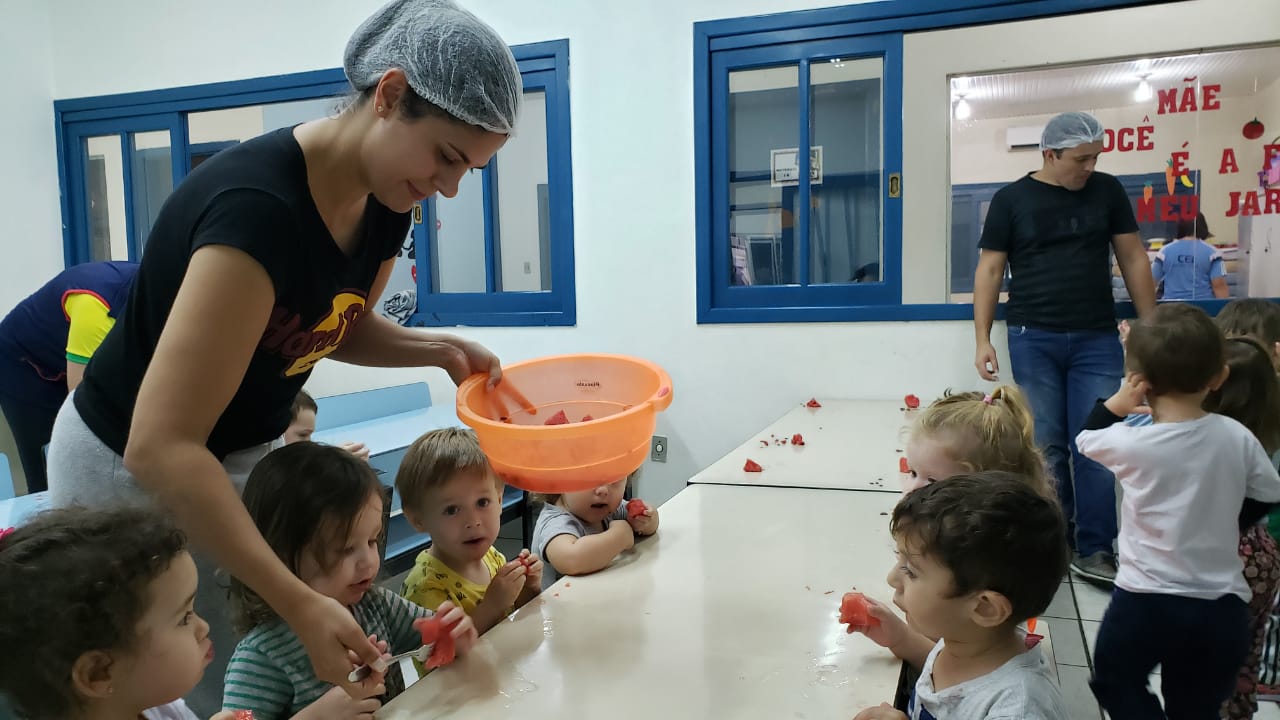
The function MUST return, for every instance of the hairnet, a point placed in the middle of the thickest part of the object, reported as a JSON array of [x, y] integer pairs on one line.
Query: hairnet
[[1069, 130], [451, 58]]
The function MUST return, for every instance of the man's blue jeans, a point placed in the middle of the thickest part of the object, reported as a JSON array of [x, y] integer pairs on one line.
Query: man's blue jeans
[[1063, 374]]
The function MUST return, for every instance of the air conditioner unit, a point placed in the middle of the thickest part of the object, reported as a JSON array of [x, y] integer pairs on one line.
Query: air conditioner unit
[[1023, 138]]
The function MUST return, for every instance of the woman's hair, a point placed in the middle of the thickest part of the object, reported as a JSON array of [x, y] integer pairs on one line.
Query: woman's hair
[[1197, 228], [984, 432], [1251, 393], [73, 581], [299, 496]]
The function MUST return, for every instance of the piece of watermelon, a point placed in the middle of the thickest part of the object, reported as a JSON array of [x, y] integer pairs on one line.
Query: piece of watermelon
[[911, 401], [903, 465], [797, 439], [752, 466], [855, 612], [635, 508], [813, 403], [558, 419], [433, 630], [587, 418]]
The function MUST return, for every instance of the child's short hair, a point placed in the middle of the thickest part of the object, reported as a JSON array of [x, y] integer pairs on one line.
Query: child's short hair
[[993, 532], [553, 498], [1176, 348], [296, 495], [993, 431], [1251, 393], [1252, 316], [433, 459], [303, 401], [73, 581]]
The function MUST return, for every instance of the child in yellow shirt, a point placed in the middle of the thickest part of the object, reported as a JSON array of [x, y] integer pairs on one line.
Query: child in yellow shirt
[[450, 492]]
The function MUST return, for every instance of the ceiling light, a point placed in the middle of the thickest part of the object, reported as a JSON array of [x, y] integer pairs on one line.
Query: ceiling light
[[1143, 93]]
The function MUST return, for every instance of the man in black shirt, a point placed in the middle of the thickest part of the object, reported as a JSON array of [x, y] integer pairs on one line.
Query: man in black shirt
[[1055, 229]]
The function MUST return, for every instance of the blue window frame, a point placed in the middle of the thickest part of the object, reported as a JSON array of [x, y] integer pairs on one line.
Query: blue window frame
[[545, 68], [111, 120], [805, 39]]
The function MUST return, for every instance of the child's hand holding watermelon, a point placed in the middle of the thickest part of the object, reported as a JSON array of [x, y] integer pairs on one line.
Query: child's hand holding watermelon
[[642, 516]]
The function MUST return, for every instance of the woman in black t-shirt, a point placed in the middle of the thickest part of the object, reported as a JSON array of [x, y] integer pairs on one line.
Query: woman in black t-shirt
[[267, 258]]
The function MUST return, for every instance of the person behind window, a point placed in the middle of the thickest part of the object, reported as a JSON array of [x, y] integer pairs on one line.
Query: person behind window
[[1189, 267]]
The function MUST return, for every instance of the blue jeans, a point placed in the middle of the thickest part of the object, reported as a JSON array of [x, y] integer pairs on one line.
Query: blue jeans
[[1063, 375]]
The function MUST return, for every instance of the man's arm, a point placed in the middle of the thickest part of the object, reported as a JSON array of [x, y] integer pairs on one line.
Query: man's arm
[[986, 295], [1131, 255]]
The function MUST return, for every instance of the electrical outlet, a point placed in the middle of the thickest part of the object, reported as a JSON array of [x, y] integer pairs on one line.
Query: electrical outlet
[[658, 450]]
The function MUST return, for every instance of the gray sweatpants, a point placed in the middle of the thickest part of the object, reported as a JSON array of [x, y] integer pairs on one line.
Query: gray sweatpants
[[84, 471]]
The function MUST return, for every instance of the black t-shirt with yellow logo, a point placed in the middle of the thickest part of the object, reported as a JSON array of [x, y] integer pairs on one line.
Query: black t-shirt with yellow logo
[[253, 197]]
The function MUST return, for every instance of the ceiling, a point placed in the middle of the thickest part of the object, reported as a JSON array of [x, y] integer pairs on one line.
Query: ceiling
[[1112, 84]]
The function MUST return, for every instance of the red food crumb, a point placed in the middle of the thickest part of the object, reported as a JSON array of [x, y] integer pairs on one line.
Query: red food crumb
[[797, 439], [244, 714], [752, 466], [558, 419], [813, 403], [764, 443], [587, 418], [912, 402], [903, 466], [828, 592]]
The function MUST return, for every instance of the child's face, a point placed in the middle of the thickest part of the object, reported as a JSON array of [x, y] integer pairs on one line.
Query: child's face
[[930, 461], [922, 589], [463, 515], [302, 427], [593, 506], [353, 560], [173, 646]]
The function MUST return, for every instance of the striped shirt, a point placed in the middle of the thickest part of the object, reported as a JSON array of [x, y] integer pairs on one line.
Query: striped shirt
[[270, 673]]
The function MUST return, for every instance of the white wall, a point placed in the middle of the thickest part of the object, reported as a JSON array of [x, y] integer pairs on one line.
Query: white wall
[[632, 114], [32, 236]]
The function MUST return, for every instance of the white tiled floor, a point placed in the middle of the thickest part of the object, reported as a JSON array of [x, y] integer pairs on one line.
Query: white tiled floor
[[1074, 617]]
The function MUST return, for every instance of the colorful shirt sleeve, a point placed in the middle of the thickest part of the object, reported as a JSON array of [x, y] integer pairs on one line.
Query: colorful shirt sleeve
[[90, 321]]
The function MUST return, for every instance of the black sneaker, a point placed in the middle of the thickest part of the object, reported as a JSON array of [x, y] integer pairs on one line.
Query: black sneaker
[[1098, 568]]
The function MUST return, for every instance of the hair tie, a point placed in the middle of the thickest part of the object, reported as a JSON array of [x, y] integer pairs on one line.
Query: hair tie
[[987, 398]]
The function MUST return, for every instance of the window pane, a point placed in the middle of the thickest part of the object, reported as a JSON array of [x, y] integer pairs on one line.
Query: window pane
[[763, 112], [104, 185], [152, 179], [524, 219], [459, 248], [215, 129], [845, 197], [1194, 110]]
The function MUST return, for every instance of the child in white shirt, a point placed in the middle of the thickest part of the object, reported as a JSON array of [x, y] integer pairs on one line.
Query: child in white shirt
[[1190, 480]]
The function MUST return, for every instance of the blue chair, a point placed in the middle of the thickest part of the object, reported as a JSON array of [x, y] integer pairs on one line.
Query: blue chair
[[7, 491]]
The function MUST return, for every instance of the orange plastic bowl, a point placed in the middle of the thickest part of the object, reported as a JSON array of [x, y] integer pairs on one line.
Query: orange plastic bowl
[[622, 395]]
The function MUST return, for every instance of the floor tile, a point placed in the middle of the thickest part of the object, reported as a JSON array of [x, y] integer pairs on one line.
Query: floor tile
[[1091, 601], [1267, 711], [1090, 635], [1076, 693], [1068, 646], [1063, 605]]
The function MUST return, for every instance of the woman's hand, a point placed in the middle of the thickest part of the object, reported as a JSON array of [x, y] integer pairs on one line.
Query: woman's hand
[[328, 632], [468, 358]]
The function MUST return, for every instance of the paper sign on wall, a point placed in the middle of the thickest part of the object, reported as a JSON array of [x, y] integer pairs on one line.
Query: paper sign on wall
[[784, 166]]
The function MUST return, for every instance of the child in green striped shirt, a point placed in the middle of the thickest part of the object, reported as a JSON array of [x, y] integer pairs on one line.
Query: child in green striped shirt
[[320, 510]]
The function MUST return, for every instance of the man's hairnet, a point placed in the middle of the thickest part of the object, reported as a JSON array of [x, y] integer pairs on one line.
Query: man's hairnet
[[1069, 130], [450, 57]]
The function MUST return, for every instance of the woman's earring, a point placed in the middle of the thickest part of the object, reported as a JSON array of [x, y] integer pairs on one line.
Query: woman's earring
[[379, 108]]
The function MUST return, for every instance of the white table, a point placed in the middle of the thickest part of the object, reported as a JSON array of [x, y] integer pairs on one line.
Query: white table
[[729, 612], [849, 445]]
